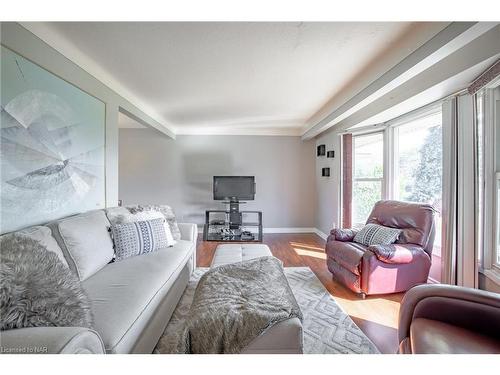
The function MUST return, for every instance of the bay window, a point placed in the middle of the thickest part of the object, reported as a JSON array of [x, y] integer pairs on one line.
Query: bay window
[[402, 162]]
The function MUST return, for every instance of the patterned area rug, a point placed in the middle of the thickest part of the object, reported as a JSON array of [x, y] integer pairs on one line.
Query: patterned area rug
[[327, 328]]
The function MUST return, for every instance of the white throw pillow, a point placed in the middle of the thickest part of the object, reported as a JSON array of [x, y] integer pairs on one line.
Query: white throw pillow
[[139, 237], [121, 215], [87, 241], [170, 238], [374, 234]]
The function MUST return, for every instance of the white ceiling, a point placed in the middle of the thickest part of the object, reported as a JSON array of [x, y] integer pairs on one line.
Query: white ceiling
[[235, 78]]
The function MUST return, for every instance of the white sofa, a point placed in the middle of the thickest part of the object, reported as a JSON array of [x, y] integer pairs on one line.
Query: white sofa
[[132, 301]]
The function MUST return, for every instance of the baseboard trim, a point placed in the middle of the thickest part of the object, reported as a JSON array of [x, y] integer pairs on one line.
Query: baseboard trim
[[289, 230], [321, 234]]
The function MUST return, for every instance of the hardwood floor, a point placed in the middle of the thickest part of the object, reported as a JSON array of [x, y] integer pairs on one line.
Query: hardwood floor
[[377, 316]]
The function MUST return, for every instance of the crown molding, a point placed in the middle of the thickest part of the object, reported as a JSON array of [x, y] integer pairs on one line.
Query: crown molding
[[226, 130]]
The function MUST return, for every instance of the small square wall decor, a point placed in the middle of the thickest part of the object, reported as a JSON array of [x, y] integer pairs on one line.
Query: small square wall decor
[[321, 150]]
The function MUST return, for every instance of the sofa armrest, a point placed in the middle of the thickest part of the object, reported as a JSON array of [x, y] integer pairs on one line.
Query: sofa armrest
[[51, 340], [343, 235], [479, 310], [396, 253], [189, 231]]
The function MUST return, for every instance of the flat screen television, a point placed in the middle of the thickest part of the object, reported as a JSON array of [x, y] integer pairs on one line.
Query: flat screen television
[[234, 188]]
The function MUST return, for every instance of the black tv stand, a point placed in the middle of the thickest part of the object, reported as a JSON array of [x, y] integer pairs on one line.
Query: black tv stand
[[235, 216], [232, 225]]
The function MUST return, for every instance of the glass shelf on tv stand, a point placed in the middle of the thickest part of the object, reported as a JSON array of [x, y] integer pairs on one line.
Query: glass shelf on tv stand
[[213, 228]]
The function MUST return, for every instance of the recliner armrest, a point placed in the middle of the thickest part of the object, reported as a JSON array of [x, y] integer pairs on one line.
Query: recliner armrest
[[342, 235], [396, 253], [451, 304], [51, 340]]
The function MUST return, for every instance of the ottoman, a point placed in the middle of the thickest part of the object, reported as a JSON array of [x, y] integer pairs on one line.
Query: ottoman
[[282, 338], [233, 253]]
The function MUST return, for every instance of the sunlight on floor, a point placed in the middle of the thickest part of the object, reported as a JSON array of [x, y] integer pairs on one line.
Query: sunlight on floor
[[372, 309], [309, 253], [383, 311], [306, 246]]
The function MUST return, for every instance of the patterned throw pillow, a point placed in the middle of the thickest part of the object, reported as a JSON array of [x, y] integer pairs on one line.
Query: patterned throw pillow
[[127, 214], [165, 210], [138, 238], [374, 234]]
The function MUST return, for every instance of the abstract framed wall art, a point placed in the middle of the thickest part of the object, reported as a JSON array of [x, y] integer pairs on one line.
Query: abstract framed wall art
[[52, 146]]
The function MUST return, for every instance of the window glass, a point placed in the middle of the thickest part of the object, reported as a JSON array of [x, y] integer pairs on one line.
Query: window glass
[[365, 195], [418, 170], [368, 155]]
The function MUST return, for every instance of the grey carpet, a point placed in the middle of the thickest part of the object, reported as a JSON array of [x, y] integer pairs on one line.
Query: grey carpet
[[327, 328]]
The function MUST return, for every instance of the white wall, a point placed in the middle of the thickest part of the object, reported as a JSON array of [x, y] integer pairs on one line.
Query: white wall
[[328, 188], [156, 169]]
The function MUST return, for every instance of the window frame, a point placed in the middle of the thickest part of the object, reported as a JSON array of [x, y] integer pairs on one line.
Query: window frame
[[496, 222], [389, 130], [393, 153], [489, 265], [369, 179]]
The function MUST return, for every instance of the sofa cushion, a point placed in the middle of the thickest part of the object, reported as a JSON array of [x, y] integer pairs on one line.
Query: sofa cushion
[[233, 253], [37, 289], [43, 235], [140, 237], [86, 242], [346, 254], [123, 293]]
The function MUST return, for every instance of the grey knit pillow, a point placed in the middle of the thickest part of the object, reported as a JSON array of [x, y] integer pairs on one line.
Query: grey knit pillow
[[37, 289], [374, 234]]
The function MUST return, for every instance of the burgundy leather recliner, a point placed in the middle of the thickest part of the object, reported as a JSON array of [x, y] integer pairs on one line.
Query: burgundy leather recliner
[[381, 269], [446, 319]]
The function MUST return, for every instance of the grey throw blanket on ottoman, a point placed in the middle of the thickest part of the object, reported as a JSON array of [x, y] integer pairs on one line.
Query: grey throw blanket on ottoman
[[235, 303]]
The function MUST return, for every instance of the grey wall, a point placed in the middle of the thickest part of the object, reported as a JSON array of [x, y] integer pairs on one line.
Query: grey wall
[[156, 169], [23, 42], [328, 188]]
